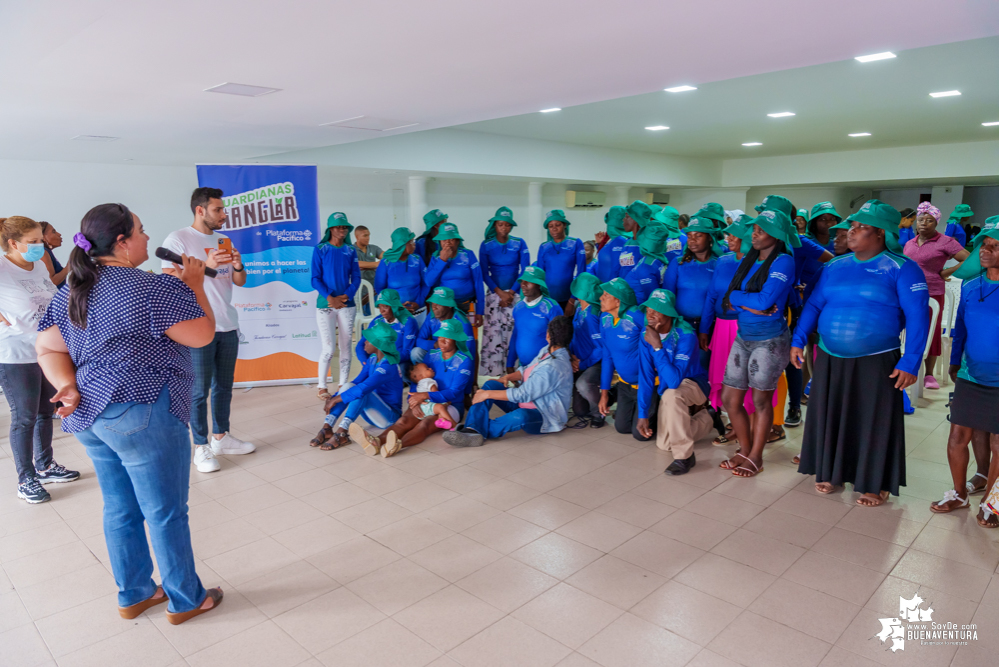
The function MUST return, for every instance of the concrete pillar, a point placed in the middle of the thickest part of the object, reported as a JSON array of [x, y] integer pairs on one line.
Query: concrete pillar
[[535, 217], [417, 203], [623, 192]]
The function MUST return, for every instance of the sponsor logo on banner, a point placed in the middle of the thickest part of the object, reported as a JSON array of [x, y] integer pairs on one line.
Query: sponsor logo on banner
[[261, 206], [914, 623], [291, 304], [253, 307]]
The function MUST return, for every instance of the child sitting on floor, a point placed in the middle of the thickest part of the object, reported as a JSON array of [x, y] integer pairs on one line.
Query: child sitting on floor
[[447, 416]]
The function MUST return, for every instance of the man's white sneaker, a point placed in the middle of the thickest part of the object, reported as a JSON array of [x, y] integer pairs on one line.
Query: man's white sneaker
[[231, 446], [204, 459]]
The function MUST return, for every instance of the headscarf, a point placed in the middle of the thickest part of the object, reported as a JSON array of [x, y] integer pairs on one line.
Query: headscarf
[[383, 337], [670, 217], [652, 242], [337, 219], [620, 290], [614, 218], [536, 275], [559, 215], [390, 297], [734, 214], [503, 214], [926, 207], [972, 266], [401, 236]]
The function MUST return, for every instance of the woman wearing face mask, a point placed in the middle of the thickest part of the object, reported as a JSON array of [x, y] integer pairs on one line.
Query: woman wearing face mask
[[53, 239], [931, 250], [25, 293]]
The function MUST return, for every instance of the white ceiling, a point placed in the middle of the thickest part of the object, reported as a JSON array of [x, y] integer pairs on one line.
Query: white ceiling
[[137, 70]]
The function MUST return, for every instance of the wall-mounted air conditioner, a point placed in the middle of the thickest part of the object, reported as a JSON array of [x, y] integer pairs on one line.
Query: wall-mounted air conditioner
[[577, 199], [657, 198]]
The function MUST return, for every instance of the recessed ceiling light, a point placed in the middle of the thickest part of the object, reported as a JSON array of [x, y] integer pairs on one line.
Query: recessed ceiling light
[[550, 110], [946, 93], [859, 134], [680, 89], [875, 56], [656, 128], [753, 143], [992, 124], [241, 89], [781, 114], [369, 123], [93, 137]]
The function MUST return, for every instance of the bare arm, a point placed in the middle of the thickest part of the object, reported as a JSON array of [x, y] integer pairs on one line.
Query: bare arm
[[367, 265], [56, 364], [53, 275], [959, 257]]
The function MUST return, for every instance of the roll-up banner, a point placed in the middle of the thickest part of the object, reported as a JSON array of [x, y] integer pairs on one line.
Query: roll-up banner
[[273, 220]]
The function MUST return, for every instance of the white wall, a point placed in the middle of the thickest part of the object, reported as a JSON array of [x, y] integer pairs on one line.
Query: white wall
[[806, 197], [984, 201]]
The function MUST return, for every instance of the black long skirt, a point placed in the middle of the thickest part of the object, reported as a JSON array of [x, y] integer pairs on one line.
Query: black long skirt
[[854, 431]]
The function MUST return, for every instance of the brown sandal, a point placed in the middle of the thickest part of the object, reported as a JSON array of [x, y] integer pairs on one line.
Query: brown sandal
[[336, 441], [325, 433], [134, 610], [176, 618]]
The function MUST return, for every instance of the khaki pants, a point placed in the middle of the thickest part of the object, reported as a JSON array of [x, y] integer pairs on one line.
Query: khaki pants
[[678, 430]]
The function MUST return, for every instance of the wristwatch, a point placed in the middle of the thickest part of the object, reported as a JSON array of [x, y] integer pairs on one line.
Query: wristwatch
[[239, 270]]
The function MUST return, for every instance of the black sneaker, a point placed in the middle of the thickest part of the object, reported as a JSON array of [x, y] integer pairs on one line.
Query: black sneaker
[[598, 423], [681, 466], [464, 438], [793, 417], [717, 422], [56, 474], [33, 492]]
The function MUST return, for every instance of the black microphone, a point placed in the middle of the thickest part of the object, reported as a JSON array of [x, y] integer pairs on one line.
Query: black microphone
[[171, 256]]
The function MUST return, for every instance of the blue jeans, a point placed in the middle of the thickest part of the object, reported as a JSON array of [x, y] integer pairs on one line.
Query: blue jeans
[[142, 457], [214, 369], [28, 394], [516, 418], [371, 406]]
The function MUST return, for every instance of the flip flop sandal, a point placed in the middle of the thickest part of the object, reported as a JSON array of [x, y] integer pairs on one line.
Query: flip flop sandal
[[777, 436], [972, 489], [795, 459], [949, 496], [175, 618], [883, 496], [134, 610], [752, 473], [987, 517], [723, 440], [731, 462]]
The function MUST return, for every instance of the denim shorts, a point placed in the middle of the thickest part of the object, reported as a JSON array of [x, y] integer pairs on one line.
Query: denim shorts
[[757, 363]]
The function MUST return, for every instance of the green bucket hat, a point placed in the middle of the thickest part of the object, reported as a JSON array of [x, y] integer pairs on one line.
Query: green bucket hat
[[876, 213], [621, 290], [972, 266], [536, 275], [400, 237], [337, 219], [777, 224], [652, 242], [743, 229], [662, 301], [454, 330], [383, 337], [702, 225], [822, 208], [777, 203], [962, 211], [670, 217], [586, 286], [390, 297], [640, 212], [614, 218], [711, 211], [802, 213], [443, 296], [448, 230], [557, 214], [503, 214], [433, 217]]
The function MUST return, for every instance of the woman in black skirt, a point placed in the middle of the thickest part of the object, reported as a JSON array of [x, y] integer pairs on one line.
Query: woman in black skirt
[[974, 368], [861, 303]]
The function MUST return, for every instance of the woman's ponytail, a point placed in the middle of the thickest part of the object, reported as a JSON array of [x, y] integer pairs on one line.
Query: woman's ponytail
[[100, 230]]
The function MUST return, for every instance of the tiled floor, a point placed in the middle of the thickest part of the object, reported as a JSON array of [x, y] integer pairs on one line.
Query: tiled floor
[[571, 549]]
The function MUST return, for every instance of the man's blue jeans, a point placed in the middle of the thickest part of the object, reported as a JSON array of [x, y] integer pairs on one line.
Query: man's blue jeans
[[516, 418], [371, 406], [142, 457], [214, 369]]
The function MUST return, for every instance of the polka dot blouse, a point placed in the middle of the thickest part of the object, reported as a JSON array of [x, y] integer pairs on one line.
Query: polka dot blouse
[[123, 355]]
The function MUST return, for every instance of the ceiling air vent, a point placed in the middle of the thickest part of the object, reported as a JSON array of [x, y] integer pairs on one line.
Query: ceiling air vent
[[577, 199]]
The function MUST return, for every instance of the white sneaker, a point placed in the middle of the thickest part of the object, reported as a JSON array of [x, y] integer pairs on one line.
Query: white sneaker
[[204, 459], [231, 445]]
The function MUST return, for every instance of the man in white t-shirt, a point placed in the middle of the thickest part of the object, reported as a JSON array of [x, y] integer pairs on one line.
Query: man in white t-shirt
[[215, 363]]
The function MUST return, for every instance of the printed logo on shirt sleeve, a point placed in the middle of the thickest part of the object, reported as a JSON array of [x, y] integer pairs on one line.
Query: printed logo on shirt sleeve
[[465, 371], [380, 369], [682, 357], [919, 287], [779, 276]]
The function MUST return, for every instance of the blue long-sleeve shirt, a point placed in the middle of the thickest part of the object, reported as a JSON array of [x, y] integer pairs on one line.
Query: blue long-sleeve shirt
[[955, 230], [860, 308], [775, 292], [530, 326], [380, 377], [425, 338], [724, 272], [645, 277], [806, 267], [561, 262], [454, 376], [675, 247], [977, 353], [609, 259], [404, 277], [503, 263], [674, 362], [905, 234], [690, 282], [404, 342], [462, 273], [586, 344], [335, 272], [620, 340]]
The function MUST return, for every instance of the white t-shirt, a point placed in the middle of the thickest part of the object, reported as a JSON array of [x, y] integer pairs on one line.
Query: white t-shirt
[[24, 298], [189, 241]]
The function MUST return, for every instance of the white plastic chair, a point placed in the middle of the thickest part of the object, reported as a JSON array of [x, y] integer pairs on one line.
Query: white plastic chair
[[360, 319], [947, 321], [920, 377]]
